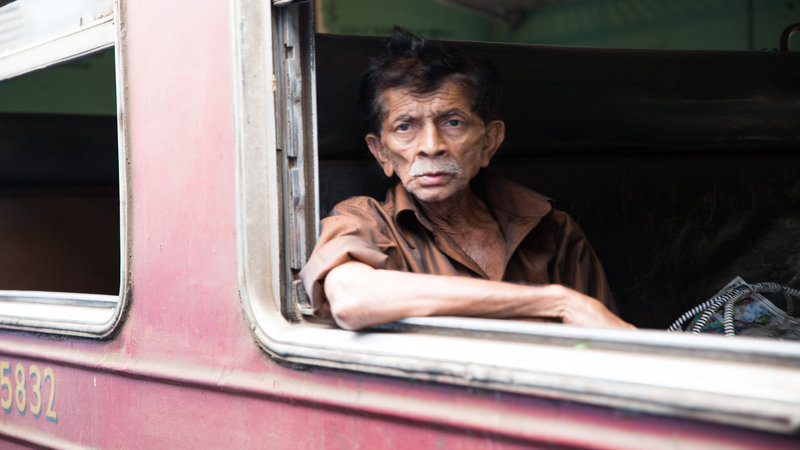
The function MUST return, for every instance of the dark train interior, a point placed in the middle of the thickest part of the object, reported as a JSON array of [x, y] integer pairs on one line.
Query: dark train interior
[[680, 166], [59, 203], [59, 179]]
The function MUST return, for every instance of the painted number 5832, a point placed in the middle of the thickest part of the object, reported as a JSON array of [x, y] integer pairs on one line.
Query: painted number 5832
[[14, 390]]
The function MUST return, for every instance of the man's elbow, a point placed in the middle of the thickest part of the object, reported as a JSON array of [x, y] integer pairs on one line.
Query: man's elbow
[[347, 318], [345, 294], [349, 313]]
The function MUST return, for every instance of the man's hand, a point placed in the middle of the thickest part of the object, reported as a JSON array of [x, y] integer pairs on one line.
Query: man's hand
[[361, 296], [582, 310]]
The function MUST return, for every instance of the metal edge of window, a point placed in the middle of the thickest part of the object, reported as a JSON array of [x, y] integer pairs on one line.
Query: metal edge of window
[[83, 41], [67, 313], [295, 124], [743, 382]]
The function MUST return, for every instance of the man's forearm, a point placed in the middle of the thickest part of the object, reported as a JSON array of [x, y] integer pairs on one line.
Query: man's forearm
[[361, 296]]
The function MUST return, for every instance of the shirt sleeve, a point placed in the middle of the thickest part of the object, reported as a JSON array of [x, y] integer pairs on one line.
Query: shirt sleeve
[[577, 265], [355, 231]]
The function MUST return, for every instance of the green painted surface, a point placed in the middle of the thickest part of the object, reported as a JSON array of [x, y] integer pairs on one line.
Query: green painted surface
[[426, 17], [655, 24], [86, 86], [677, 24], [770, 18]]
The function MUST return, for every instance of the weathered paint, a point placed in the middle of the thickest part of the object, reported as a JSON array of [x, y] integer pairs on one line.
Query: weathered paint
[[184, 370], [181, 147]]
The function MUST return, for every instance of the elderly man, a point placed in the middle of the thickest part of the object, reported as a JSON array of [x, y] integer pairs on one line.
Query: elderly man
[[448, 239]]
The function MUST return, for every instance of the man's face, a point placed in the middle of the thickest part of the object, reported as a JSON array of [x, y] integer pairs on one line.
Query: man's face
[[433, 142]]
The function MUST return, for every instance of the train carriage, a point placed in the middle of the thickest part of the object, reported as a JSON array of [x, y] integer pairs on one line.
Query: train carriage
[[163, 169]]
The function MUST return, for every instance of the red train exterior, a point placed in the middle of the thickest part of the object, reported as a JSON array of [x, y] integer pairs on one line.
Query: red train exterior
[[184, 364]]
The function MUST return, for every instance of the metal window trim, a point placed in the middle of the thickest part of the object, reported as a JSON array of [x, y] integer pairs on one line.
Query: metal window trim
[[37, 315], [742, 382], [95, 37]]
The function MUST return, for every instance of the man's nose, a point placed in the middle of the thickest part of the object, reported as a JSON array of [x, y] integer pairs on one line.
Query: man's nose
[[431, 143]]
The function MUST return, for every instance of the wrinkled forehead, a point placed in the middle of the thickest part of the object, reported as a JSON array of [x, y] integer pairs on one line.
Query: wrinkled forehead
[[404, 101]]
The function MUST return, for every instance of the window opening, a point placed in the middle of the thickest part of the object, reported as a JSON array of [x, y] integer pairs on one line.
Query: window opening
[[481, 352], [62, 246]]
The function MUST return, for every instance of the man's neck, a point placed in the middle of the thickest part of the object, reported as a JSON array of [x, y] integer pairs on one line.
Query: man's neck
[[459, 213], [470, 224]]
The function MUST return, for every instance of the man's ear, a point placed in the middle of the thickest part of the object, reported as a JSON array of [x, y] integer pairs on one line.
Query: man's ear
[[495, 134], [376, 148]]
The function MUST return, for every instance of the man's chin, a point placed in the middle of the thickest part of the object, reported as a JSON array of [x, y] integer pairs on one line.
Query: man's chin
[[432, 194]]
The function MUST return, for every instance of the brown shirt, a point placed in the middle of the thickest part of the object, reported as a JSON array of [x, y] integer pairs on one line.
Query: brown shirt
[[542, 244]]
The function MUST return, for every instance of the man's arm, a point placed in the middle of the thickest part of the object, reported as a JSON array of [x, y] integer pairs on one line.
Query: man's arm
[[360, 296]]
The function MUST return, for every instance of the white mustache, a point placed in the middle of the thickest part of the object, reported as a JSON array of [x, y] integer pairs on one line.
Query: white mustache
[[422, 166]]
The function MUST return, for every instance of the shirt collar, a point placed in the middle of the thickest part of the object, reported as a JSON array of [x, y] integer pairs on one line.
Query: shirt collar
[[406, 205], [516, 208]]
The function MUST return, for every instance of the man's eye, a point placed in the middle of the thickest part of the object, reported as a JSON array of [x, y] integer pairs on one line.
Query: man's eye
[[453, 123], [403, 127]]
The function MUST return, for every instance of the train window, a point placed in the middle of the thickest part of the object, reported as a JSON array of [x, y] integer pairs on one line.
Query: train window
[[297, 155], [63, 265]]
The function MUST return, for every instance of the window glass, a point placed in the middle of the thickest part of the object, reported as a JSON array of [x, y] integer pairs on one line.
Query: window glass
[[24, 23]]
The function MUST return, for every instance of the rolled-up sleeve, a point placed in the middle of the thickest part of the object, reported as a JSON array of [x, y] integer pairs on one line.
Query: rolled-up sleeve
[[353, 232]]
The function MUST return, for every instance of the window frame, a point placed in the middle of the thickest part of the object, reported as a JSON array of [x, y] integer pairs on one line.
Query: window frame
[[71, 313], [645, 371]]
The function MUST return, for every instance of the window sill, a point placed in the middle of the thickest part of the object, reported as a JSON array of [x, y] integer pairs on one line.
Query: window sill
[[742, 381], [59, 312]]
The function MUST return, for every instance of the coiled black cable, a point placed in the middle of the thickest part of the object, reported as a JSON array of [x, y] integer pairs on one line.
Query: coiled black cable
[[727, 301]]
